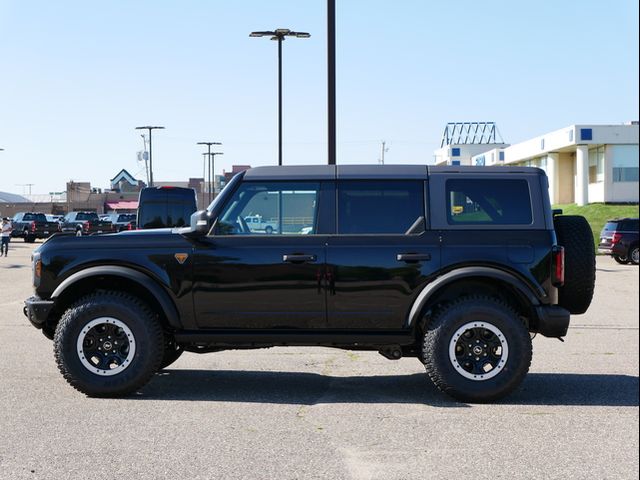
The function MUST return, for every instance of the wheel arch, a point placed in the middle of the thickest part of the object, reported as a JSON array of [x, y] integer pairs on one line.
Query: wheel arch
[[472, 281], [117, 278]]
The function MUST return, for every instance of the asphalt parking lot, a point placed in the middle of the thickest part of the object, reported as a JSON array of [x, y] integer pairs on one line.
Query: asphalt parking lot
[[298, 413]]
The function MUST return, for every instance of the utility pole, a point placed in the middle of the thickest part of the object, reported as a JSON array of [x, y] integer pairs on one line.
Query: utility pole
[[145, 157], [208, 144], [213, 159], [382, 150], [150, 151]]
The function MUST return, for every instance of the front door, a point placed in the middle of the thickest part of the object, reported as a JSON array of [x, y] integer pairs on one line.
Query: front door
[[262, 266]]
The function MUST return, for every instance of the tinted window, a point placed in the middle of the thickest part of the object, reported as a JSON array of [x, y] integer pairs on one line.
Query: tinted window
[[126, 218], [38, 217], [489, 202], [391, 207], [269, 208], [166, 207]]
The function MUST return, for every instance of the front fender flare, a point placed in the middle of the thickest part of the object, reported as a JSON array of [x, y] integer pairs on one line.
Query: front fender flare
[[162, 297], [463, 273]]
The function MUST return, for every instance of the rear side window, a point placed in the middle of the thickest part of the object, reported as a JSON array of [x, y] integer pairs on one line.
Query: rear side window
[[488, 202], [610, 226], [382, 207]]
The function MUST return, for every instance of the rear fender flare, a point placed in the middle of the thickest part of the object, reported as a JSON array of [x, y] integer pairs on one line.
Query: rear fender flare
[[463, 273]]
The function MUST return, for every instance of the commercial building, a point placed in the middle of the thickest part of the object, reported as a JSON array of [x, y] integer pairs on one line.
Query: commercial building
[[584, 163]]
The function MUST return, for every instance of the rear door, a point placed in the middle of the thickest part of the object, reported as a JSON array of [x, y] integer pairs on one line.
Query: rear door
[[381, 255]]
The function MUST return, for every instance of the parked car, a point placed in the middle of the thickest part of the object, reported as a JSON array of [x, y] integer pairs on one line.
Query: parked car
[[122, 221], [619, 238], [162, 207], [85, 223], [387, 263], [31, 225], [54, 218]]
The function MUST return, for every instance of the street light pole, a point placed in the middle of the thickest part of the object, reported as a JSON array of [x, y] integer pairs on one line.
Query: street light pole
[[213, 158], [279, 35], [208, 144], [150, 151], [331, 80]]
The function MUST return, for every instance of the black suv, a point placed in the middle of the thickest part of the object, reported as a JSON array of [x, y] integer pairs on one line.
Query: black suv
[[162, 207], [619, 238], [456, 266]]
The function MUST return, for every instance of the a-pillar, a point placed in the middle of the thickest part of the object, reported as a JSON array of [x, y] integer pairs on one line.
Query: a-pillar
[[552, 175], [582, 175]]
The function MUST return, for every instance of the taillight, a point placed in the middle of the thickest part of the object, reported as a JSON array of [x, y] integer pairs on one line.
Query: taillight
[[86, 225], [130, 226], [557, 265], [616, 238], [33, 226]]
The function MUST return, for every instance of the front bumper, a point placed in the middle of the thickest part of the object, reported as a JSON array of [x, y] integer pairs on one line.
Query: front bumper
[[553, 321], [37, 310]]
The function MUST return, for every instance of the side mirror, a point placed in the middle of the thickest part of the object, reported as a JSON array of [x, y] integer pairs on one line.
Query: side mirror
[[200, 222]]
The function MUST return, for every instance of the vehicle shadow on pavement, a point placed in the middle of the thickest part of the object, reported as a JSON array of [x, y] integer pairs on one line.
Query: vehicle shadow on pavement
[[577, 389], [562, 389], [292, 388]]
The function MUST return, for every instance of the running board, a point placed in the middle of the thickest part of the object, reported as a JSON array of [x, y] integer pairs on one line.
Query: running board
[[273, 337]]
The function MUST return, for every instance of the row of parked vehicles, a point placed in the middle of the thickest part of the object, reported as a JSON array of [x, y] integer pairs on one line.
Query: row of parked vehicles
[[158, 207]]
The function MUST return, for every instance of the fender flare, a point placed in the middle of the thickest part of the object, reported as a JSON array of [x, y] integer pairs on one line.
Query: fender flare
[[162, 297], [463, 273]]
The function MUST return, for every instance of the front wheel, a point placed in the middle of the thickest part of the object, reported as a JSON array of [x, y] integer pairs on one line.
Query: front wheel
[[476, 349], [108, 344], [634, 255]]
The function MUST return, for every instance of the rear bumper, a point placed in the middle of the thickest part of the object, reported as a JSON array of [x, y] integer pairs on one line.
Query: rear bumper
[[37, 310], [553, 321]]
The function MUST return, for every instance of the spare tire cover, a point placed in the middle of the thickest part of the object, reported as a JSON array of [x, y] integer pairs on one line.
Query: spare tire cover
[[575, 235]]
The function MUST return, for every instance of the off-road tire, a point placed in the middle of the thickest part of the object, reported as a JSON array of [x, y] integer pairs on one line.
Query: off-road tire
[[575, 235], [136, 316], [441, 333]]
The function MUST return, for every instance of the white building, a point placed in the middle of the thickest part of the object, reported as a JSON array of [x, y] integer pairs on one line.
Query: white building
[[584, 163], [461, 141]]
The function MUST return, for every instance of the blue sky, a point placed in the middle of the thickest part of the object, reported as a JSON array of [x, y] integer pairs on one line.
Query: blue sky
[[78, 76]]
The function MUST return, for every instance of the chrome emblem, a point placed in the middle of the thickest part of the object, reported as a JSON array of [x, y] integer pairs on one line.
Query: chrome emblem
[[181, 257]]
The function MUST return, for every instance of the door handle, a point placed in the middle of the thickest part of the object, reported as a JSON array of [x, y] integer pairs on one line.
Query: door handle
[[298, 258], [413, 257]]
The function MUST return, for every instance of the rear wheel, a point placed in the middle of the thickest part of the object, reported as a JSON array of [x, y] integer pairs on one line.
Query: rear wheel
[[476, 349], [108, 344], [620, 260]]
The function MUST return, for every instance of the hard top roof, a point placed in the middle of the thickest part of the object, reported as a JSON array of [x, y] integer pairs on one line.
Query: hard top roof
[[331, 172]]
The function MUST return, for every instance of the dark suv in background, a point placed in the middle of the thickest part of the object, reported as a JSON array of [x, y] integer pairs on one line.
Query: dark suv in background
[[619, 238], [165, 207], [456, 266]]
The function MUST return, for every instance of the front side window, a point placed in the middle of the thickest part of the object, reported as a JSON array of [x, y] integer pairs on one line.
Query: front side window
[[381, 207], [488, 202], [271, 208]]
